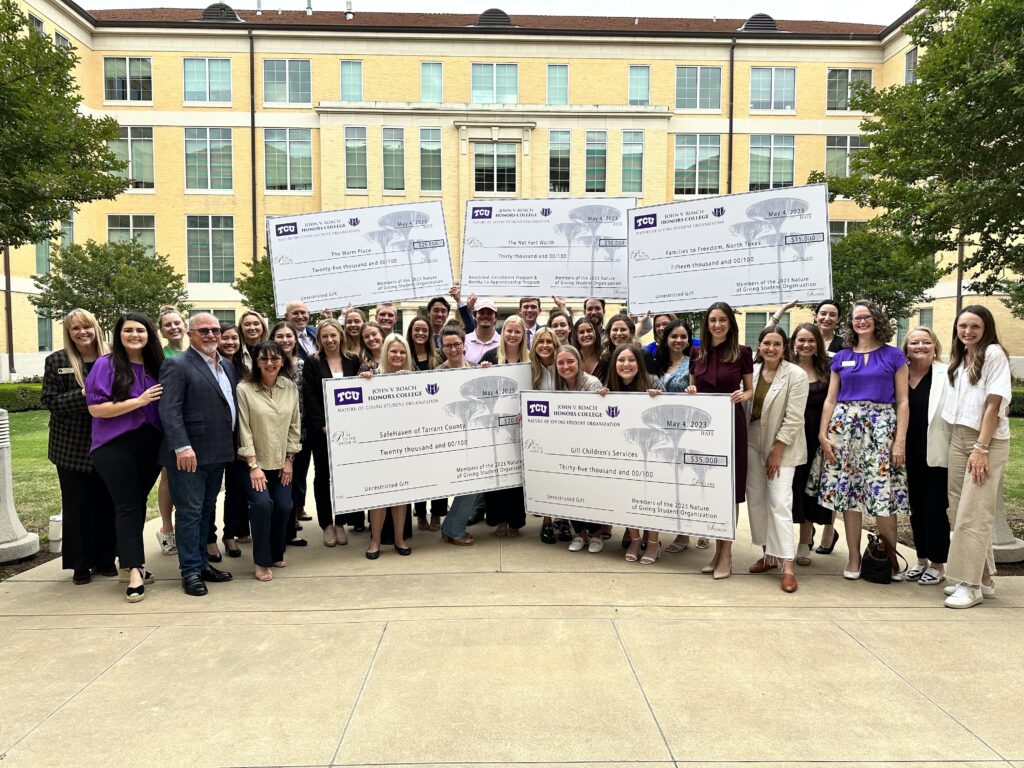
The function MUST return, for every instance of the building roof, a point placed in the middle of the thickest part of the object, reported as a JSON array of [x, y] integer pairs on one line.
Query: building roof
[[367, 21]]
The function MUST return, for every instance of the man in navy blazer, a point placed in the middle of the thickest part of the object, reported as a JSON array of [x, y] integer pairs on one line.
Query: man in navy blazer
[[199, 414], [297, 314]]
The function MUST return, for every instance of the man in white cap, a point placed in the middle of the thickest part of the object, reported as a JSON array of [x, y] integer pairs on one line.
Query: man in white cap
[[485, 337]]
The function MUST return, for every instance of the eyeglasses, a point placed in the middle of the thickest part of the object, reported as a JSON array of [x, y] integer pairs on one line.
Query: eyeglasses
[[269, 359], [862, 318], [207, 331], [452, 346]]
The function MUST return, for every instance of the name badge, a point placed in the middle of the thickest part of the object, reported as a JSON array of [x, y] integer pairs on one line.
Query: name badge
[[848, 363], [62, 371]]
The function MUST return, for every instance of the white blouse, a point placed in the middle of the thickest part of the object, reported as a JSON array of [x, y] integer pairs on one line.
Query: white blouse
[[965, 403]]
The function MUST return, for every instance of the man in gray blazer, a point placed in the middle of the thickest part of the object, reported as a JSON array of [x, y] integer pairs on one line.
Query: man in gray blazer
[[199, 414]]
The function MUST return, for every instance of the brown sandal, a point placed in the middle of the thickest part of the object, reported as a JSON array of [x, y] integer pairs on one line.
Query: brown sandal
[[460, 541]]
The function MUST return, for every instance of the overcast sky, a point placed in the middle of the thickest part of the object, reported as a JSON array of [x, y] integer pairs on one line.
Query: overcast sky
[[866, 11]]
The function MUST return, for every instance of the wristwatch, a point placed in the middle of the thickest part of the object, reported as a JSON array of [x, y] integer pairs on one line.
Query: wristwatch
[[289, 456], [253, 465]]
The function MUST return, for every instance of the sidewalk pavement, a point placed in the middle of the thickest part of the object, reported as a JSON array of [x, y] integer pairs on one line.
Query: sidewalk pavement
[[510, 652]]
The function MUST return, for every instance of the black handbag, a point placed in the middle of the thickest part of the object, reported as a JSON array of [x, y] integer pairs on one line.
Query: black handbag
[[879, 562]]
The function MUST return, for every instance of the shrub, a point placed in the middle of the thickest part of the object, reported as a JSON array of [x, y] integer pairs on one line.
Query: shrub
[[21, 397], [1017, 402]]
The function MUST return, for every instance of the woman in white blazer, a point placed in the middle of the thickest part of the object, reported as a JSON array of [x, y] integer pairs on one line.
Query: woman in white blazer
[[776, 445], [927, 456]]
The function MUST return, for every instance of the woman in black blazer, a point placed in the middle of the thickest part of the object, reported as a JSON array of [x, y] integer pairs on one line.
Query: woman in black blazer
[[89, 536]]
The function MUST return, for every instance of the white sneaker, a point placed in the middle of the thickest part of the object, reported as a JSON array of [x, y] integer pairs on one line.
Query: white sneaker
[[596, 544], [988, 591], [965, 596], [167, 543], [577, 544]]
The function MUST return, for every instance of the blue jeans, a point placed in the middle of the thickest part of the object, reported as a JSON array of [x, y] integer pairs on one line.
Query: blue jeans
[[195, 500], [462, 507], [269, 512]]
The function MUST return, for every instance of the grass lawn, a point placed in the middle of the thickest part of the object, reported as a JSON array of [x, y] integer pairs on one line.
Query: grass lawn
[[1013, 485]]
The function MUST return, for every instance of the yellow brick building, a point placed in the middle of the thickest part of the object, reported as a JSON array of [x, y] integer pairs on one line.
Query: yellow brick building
[[228, 117]]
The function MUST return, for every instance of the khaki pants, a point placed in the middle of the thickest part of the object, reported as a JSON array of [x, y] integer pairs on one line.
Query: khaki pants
[[972, 507]]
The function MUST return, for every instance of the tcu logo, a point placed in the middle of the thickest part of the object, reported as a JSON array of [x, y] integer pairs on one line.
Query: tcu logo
[[612, 411], [432, 389], [645, 222], [545, 212], [481, 213], [718, 212], [537, 408], [286, 229], [349, 396], [353, 222]]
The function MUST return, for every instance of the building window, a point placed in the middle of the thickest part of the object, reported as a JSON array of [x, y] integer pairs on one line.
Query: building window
[[286, 81], [910, 69], [494, 167], [773, 88], [127, 79], [699, 88], [558, 160], [639, 85], [44, 331], [208, 80], [495, 83], [208, 158], [123, 227], [837, 230], [210, 241], [430, 159], [355, 157], [771, 162], [838, 151], [597, 161], [394, 159], [67, 232], [135, 147], [36, 24], [288, 159], [558, 84], [755, 322], [351, 81], [632, 161], [60, 41], [431, 82], [925, 317], [841, 83], [698, 163], [42, 257]]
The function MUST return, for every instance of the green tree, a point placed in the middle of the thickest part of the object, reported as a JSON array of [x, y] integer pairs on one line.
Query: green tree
[[257, 287], [52, 158], [946, 159], [108, 279]]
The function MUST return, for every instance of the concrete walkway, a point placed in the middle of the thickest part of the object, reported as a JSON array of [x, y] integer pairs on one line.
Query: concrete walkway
[[509, 652]]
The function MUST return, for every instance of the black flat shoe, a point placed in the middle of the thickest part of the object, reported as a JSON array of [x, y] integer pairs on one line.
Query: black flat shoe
[[108, 570], [547, 534], [359, 528], [81, 576], [211, 574], [372, 555], [403, 551], [193, 585], [298, 543], [828, 550], [214, 558], [564, 532]]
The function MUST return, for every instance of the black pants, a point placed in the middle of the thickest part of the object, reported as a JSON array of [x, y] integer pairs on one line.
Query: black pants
[[579, 525], [90, 538], [128, 466], [438, 508], [270, 510], [506, 506], [300, 468], [236, 501], [926, 491]]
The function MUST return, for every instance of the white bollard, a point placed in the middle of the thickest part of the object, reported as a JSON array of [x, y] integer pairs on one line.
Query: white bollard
[[15, 542], [56, 533]]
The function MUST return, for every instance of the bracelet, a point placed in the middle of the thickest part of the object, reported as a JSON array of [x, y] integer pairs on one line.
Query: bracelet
[[981, 445], [979, 448]]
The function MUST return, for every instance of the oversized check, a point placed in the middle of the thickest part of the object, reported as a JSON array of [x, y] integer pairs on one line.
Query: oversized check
[[662, 464], [406, 437], [359, 256], [561, 247], [749, 249]]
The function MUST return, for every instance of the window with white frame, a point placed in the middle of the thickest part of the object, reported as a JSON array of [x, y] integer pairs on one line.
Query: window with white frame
[[839, 228], [60, 41], [430, 159], [127, 79], [223, 315], [559, 151], [771, 162], [355, 157], [207, 80], [210, 246], [351, 81], [633, 161], [394, 159], [495, 83], [431, 82], [288, 159], [134, 146], [840, 85], [122, 227], [44, 330], [36, 24], [698, 164], [838, 151], [639, 85], [558, 84], [286, 81], [208, 158], [755, 322], [494, 167], [67, 233], [773, 88], [910, 66], [699, 88], [597, 161]]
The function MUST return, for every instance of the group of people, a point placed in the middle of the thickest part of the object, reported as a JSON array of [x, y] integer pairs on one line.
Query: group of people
[[825, 424]]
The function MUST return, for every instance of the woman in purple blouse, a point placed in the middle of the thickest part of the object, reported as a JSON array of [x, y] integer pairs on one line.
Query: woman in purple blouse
[[121, 392], [863, 433]]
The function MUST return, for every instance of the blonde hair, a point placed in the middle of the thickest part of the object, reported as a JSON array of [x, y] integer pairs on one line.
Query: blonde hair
[[536, 366], [385, 365], [70, 348], [930, 332], [327, 322], [524, 350]]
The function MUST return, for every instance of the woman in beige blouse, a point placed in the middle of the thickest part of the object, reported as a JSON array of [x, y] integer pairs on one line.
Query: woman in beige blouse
[[268, 439]]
